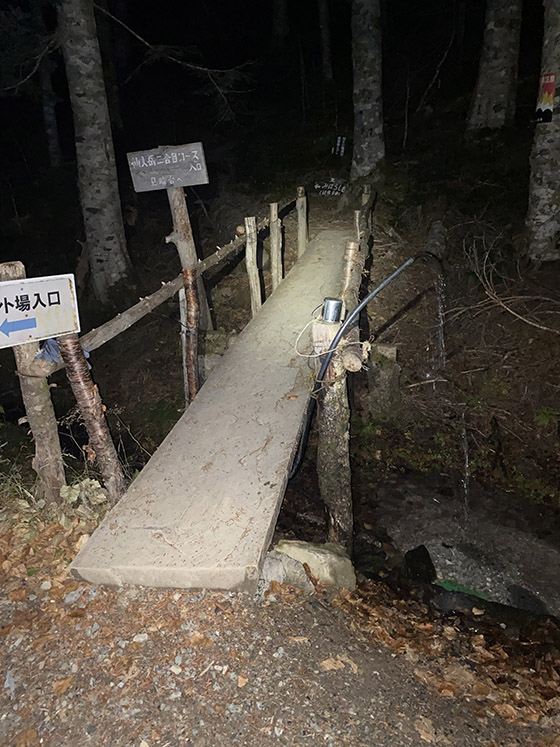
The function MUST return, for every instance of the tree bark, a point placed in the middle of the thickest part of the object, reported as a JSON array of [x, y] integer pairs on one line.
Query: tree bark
[[325, 29], [280, 26], [48, 103], [97, 174], [93, 414], [493, 103], [369, 143], [47, 461], [333, 456], [543, 216]]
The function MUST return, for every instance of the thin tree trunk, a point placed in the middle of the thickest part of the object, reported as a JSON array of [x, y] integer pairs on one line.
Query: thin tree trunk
[[543, 216], [48, 102], [97, 174], [93, 414], [325, 28], [280, 27], [493, 103], [369, 143], [35, 391]]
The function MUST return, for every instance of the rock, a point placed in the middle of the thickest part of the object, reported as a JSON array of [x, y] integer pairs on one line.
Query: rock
[[46, 585], [329, 563], [417, 565], [72, 597], [140, 638]]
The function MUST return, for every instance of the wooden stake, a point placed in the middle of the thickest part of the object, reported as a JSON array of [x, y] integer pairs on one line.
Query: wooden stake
[[301, 207], [252, 267], [275, 246], [333, 457], [182, 237], [93, 414], [191, 333], [36, 395]]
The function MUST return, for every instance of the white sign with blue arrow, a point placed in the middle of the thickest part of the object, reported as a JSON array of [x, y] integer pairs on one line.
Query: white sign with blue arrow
[[37, 308]]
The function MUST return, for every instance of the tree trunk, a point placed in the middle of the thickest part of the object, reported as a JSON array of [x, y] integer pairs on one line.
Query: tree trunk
[[369, 143], [48, 103], [493, 103], [280, 27], [93, 414], [543, 216], [333, 455], [47, 461], [325, 28], [97, 174]]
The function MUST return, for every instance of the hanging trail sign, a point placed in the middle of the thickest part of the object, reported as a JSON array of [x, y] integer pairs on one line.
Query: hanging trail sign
[[37, 308], [168, 166]]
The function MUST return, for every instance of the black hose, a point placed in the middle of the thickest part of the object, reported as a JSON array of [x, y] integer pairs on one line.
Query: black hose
[[312, 404]]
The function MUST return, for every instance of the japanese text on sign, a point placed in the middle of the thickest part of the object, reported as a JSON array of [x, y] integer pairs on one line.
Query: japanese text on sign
[[168, 166], [37, 308]]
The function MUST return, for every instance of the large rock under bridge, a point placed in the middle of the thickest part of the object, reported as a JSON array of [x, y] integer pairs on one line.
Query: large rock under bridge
[[202, 512]]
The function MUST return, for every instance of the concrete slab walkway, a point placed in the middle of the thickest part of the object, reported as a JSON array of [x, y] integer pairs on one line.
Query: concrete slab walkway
[[202, 512]]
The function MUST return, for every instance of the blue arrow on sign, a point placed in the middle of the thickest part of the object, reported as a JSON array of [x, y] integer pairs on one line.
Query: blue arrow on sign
[[8, 327]]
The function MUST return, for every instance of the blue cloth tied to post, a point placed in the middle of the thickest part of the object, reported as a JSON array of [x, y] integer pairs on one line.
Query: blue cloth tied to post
[[50, 351]]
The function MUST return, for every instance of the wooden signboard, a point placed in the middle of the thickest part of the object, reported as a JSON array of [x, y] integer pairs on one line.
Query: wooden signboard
[[168, 166], [35, 309]]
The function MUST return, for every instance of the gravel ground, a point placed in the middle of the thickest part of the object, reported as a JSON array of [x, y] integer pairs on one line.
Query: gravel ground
[[83, 665]]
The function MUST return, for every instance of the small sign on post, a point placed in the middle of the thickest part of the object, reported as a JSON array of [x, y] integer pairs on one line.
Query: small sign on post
[[168, 166], [35, 309], [173, 167]]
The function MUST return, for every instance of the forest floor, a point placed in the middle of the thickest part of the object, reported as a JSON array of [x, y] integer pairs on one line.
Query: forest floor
[[84, 665]]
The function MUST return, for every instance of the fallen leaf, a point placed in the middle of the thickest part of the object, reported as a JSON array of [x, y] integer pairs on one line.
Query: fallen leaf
[[199, 639], [425, 728], [505, 710], [18, 595], [27, 738], [299, 639], [61, 686], [330, 664], [242, 681], [347, 660], [477, 611]]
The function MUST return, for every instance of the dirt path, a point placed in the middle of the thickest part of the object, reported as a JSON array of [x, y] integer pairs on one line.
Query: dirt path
[[85, 665]]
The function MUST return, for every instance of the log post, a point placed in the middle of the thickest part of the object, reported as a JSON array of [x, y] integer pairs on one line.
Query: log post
[[252, 267], [333, 458], [93, 414], [182, 237], [275, 246], [301, 208], [47, 461], [355, 256], [357, 224]]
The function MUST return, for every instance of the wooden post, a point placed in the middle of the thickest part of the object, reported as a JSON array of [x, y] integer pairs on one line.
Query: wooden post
[[357, 219], [191, 316], [275, 246], [93, 414], [301, 207], [333, 457], [47, 461], [182, 237], [252, 267], [355, 255]]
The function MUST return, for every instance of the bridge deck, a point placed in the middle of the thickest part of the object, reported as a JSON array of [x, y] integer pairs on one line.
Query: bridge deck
[[202, 512]]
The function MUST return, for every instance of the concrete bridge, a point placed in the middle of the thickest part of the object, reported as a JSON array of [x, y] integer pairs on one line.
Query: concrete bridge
[[202, 512]]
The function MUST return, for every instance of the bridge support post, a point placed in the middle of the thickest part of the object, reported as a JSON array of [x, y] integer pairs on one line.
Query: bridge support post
[[333, 455]]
